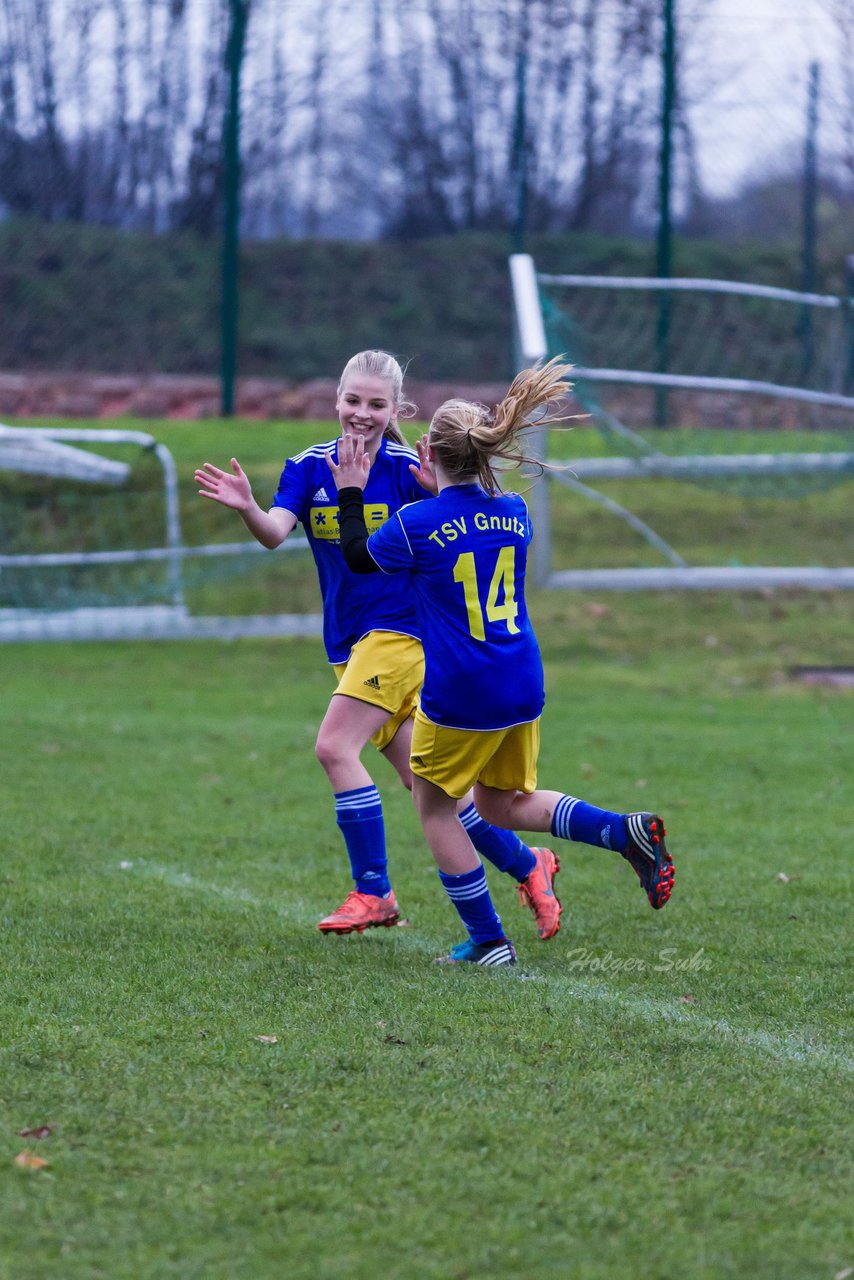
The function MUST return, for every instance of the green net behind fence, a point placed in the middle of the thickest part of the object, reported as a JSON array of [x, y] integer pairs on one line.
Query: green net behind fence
[[776, 346]]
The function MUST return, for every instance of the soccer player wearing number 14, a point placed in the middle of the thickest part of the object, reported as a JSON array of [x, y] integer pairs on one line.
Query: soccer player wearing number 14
[[478, 721], [373, 643]]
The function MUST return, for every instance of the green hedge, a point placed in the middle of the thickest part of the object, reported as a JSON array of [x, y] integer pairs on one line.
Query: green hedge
[[92, 298]]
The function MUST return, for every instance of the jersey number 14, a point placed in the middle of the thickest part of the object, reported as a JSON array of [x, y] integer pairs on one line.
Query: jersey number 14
[[503, 581]]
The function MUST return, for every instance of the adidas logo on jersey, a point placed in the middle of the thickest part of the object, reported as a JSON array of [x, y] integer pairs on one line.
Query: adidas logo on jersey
[[321, 495], [373, 682]]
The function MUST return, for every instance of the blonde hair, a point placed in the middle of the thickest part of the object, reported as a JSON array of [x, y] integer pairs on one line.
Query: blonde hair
[[466, 439], [379, 364]]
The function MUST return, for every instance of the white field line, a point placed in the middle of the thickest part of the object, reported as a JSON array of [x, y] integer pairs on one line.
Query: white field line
[[288, 908], [789, 1047]]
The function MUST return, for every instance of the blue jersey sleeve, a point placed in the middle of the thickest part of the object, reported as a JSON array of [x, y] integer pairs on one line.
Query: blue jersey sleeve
[[389, 546], [294, 491]]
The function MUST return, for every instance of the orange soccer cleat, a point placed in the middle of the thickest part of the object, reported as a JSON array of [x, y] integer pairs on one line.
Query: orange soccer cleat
[[537, 892], [361, 911]]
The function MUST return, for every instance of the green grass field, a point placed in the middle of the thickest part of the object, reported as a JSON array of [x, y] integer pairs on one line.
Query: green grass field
[[660, 1094]]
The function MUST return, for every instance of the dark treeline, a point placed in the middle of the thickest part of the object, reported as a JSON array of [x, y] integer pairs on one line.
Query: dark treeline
[[362, 118]]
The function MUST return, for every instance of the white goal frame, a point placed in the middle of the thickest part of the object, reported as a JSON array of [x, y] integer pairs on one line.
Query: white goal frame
[[531, 345], [49, 451]]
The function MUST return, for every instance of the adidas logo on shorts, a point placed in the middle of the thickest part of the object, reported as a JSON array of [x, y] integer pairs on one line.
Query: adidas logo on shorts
[[373, 682]]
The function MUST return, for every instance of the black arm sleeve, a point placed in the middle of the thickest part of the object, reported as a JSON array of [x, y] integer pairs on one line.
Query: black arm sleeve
[[354, 531]]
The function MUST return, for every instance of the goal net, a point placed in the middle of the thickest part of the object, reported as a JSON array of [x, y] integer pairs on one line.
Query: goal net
[[745, 392], [91, 547]]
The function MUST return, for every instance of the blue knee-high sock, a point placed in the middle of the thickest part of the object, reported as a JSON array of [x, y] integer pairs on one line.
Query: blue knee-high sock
[[575, 820], [359, 814], [503, 848], [470, 895]]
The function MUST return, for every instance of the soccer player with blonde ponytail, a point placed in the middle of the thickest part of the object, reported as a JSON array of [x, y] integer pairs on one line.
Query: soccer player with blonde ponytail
[[478, 720], [373, 642]]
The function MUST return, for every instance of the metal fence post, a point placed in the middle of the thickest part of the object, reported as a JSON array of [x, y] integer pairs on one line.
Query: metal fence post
[[231, 211]]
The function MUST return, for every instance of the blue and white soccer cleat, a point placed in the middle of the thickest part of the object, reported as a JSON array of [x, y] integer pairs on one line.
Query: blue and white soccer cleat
[[486, 954]]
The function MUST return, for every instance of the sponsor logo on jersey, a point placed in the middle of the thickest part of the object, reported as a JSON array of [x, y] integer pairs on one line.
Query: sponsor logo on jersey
[[323, 520]]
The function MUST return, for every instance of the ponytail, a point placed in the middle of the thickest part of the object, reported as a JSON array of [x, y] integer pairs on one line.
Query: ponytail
[[468, 439]]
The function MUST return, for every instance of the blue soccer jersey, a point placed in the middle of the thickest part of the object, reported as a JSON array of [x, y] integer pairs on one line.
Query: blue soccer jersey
[[466, 553], [353, 604]]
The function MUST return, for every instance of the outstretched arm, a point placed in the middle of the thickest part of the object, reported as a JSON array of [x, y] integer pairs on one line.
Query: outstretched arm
[[234, 490], [351, 475]]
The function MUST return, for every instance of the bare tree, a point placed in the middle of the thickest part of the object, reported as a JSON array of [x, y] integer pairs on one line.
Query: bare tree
[[200, 206], [358, 117], [269, 197], [841, 13]]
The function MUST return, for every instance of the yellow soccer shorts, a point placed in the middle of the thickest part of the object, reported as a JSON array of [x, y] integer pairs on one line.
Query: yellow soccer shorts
[[455, 759], [385, 669]]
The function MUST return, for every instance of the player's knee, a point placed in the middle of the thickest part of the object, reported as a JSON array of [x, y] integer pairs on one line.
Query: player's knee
[[488, 814], [329, 752], [490, 807]]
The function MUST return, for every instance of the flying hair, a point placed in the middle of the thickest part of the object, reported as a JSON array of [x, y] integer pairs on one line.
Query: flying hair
[[468, 439], [380, 364]]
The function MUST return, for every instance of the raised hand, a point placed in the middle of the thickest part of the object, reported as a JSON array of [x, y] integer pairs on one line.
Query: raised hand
[[353, 463], [231, 490], [424, 473]]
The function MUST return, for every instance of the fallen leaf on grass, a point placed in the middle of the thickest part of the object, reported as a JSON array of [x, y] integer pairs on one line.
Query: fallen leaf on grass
[[26, 1160], [393, 1040], [784, 879], [686, 999], [42, 1131], [268, 1039]]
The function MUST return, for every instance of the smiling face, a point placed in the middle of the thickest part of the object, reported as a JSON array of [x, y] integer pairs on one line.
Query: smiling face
[[365, 407]]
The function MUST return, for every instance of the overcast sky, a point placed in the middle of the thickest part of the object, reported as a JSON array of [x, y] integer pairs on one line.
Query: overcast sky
[[758, 54]]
